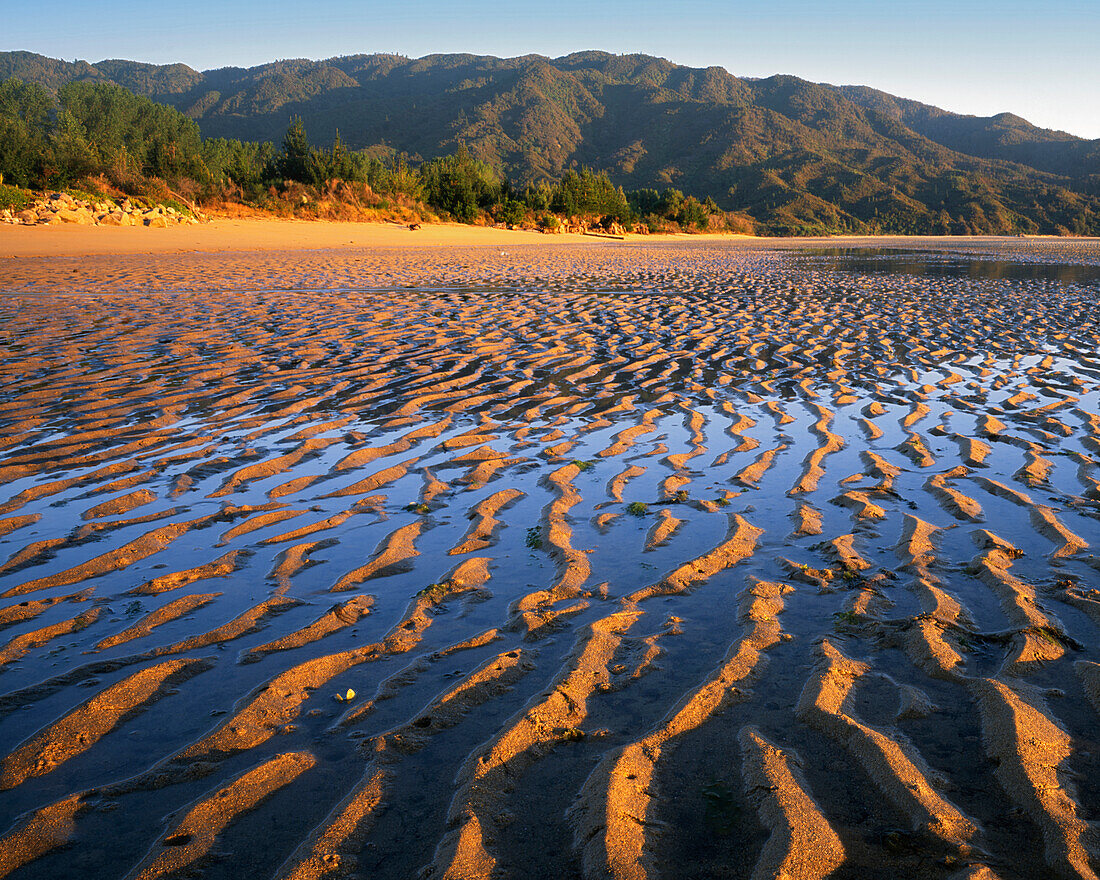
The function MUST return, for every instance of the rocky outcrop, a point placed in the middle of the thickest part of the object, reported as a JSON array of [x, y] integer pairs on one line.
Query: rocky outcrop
[[57, 208]]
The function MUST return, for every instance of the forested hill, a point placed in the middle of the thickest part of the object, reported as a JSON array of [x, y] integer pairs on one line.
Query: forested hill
[[787, 151]]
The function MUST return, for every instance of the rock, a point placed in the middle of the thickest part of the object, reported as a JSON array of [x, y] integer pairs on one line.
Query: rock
[[112, 219], [80, 216], [157, 222], [27, 216]]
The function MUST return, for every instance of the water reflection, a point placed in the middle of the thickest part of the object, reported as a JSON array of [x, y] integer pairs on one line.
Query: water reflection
[[938, 264]]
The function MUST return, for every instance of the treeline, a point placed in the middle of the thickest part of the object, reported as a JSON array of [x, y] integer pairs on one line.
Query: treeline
[[93, 132], [90, 130]]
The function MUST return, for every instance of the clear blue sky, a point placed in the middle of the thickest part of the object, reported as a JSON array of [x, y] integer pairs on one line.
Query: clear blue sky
[[1036, 59]]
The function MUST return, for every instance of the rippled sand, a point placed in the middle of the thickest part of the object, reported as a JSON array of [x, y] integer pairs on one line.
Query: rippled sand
[[630, 561]]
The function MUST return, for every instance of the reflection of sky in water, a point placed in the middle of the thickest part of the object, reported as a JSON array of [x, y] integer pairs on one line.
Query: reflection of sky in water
[[538, 400], [900, 261]]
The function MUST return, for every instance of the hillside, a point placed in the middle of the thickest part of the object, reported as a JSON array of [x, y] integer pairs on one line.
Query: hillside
[[791, 153]]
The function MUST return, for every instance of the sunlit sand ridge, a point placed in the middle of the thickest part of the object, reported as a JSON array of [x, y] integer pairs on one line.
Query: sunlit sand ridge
[[592, 561]]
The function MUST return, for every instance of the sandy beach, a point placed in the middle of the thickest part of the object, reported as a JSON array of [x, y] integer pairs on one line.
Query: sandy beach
[[248, 234], [342, 550]]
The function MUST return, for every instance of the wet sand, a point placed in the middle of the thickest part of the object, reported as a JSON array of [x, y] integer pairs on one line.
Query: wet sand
[[633, 560]]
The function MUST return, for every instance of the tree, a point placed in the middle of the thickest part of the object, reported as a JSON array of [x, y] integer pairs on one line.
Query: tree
[[157, 139], [295, 161], [692, 213], [588, 193], [24, 114], [461, 185]]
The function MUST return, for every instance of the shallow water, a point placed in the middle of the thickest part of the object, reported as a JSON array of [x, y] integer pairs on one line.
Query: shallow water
[[941, 264], [849, 625]]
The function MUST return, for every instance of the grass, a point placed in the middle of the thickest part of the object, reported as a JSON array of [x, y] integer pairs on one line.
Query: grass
[[637, 508], [178, 205], [583, 465], [1047, 634], [534, 538], [15, 198], [86, 195], [435, 592], [417, 508]]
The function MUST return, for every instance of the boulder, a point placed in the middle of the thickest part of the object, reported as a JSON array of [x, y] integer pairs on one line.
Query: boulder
[[80, 216], [157, 222], [27, 216], [112, 219]]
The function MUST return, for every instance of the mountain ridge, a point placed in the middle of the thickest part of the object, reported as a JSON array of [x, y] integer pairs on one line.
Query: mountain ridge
[[782, 148]]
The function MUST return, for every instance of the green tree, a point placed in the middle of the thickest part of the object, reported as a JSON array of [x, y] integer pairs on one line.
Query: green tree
[[72, 156], [158, 140], [512, 212], [692, 213], [24, 116], [296, 160], [460, 185], [587, 193]]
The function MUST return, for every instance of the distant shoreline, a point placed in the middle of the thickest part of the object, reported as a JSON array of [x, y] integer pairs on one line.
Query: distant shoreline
[[231, 235]]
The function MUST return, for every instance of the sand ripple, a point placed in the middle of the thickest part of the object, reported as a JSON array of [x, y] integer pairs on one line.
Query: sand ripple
[[673, 561]]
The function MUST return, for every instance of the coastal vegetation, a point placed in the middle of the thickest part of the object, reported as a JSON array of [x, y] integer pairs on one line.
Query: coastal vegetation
[[625, 141]]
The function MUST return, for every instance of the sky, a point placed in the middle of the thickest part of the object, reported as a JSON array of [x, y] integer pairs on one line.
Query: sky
[[1037, 60]]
